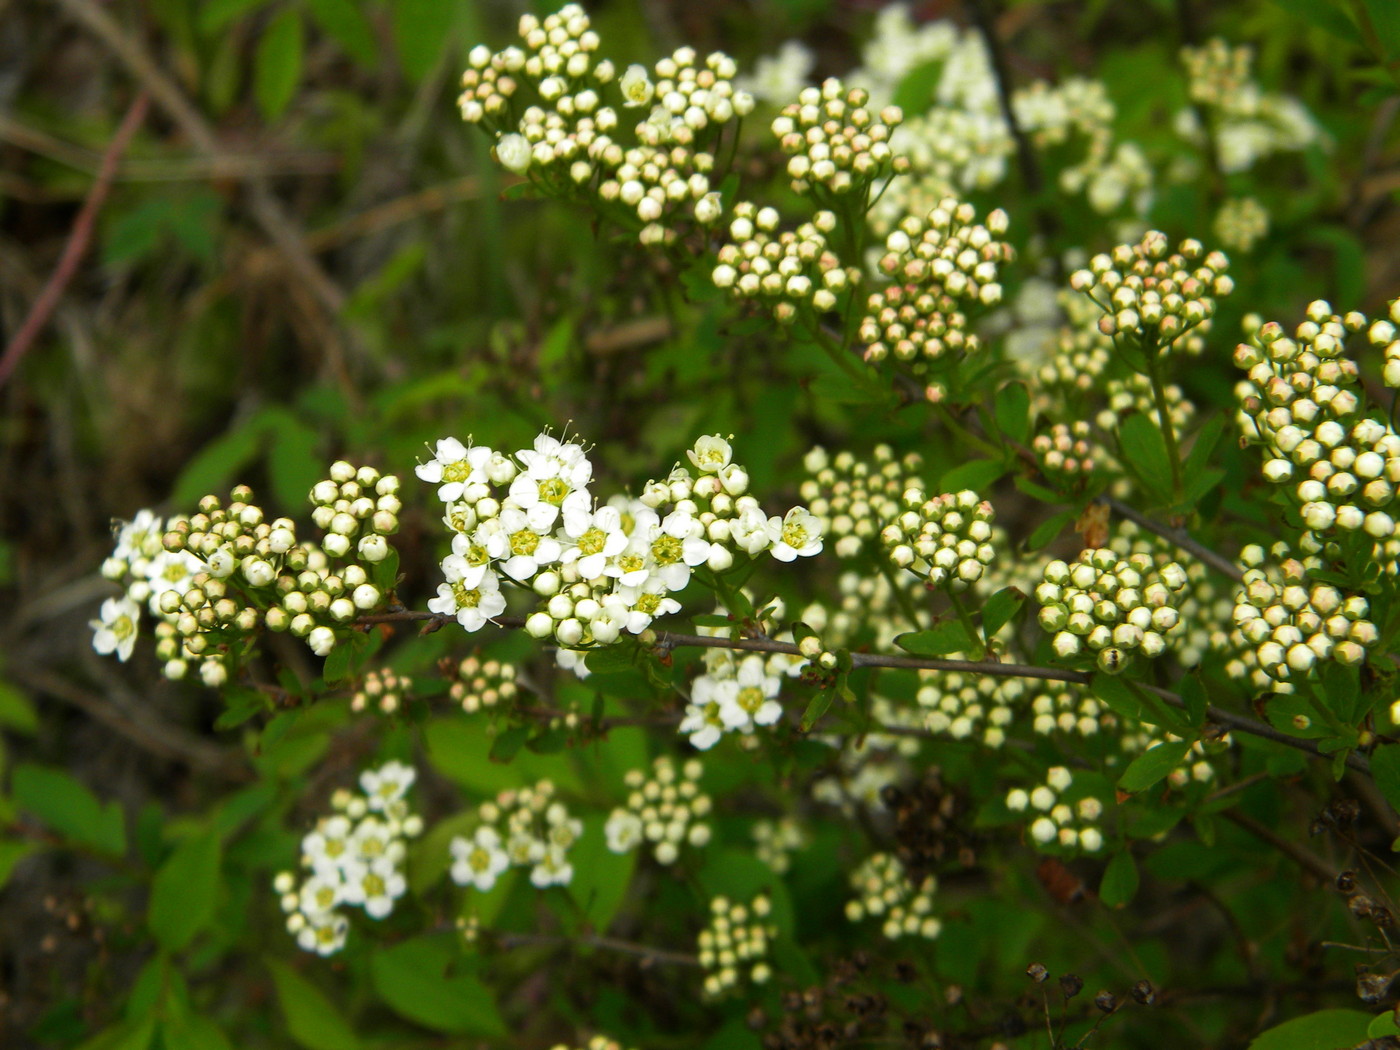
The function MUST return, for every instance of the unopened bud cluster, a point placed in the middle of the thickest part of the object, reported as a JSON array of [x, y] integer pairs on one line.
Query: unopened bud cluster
[[1293, 622], [383, 690], [1133, 395], [1110, 607], [1303, 403], [833, 141], [851, 497], [1241, 223], [1066, 452], [1161, 300], [884, 891], [666, 810], [1063, 707], [353, 857], [482, 684], [941, 265], [963, 705], [789, 271], [525, 828], [735, 944], [775, 841], [945, 540], [1059, 824]]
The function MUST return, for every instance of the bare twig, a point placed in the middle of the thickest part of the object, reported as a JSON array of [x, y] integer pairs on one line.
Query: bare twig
[[1178, 537], [1291, 850], [649, 956], [78, 240]]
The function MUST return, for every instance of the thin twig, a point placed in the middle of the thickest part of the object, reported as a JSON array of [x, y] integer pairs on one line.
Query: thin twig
[[1291, 850], [1179, 537], [667, 640], [647, 954], [78, 240]]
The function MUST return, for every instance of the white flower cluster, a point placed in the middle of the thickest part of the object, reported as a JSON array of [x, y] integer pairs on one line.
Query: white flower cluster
[[791, 270], [568, 140], [834, 143], [666, 809], [866, 766], [851, 497], [777, 78], [382, 689], [598, 571], [1340, 464], [1241, 223], [482, 684], [1110, 606], [598, 1042], [524, 828], [884, 891], [737, 693], [945, 540], [941, 264], [1248, 124], [1165, 300], [1133, 395], [775, 841], [1293, 622], [896, 46], [354, 857], [356, 502], [736, 939], [1067, 708], [1068, 827], [963, 705]]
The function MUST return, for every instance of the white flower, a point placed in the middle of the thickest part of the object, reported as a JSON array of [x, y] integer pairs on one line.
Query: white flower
[[645, 602], [711, 454], [138, 538], [529, 550], [375, 887], [323, 934], [553, 869], [320, 893], [623, 830], [454, 467], [747, 699], [597, 537], [677, 545], [117, 629], [387, 784], [327, 850], [798, 534], [472, 606], [636, 87], [171, 571], [749, 530], [480, 860], [514, 153], [702, 722], [555, 480]]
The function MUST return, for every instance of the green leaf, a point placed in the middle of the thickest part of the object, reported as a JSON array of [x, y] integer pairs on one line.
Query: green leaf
[[948, 637], [1323, 1030], [1385, 20], [215, 15], [1120, 880], [412, 977], [190, 1031], [1193, 694], [11, 853], [977, 475], [16, 712], [293, 465], [1145, 455], [1385, 768], [602, 879], [1340, 690], [277, 65], [508, 743], [421, 31], [1114, 694], [1383, 1024], [135, 1034], [1050, 528], [1153, 764], [214, 466], [346, 24], [1000, 608], [1013, 411], [1198, 459], [816, 707], [185, 890], [70, 808], [1325, 14], [311, 1019]]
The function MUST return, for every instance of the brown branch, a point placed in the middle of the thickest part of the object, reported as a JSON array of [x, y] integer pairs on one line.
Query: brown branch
[[670, 640], [78, 240], [1291, 850], [1178, 537]]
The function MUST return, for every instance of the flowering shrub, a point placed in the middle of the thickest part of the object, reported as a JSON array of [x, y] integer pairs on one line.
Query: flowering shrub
[[972, 587]]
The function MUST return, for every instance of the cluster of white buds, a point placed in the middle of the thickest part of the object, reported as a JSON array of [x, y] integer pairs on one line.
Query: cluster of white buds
[[964, 705], [353, 857], [382, 689], [1241, 223], [736, 942], [1247, 124], [1341, 465], [666, 809], [1064, 707], [525, 828], [1110, 606], [736, 694], [775, 841], [1133, 394], [356, 502], [660, 184], [598, 1042], [1078, 358], [689, 98], [884, 891], [1052, 113], [1293, 622], [851, 497], [482, 684], [865, 604], [1383, 334], [941, 264], [789, 271], [950, 151], [1067, 452], [945, 540], [866, 766], [1112, 178], [833, 141], [597, 571], [1060, 824], [1163, 301]]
